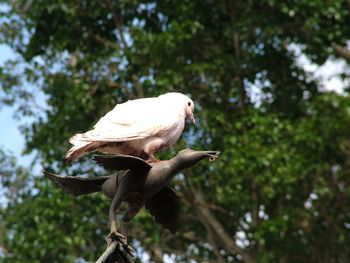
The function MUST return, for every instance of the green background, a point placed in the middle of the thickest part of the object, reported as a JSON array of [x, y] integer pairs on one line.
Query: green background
[[279, 191]]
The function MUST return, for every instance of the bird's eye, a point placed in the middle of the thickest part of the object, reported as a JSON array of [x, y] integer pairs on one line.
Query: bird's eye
[[189, 104]]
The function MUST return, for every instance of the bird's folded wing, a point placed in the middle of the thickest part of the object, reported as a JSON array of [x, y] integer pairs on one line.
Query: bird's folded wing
[[165, 207], [129, 121], [142, 128], [130, 112], [114, 133]]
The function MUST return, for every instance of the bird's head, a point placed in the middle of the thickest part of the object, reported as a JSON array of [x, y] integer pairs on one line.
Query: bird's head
[[188, 157], [189, 109], [181, 100]]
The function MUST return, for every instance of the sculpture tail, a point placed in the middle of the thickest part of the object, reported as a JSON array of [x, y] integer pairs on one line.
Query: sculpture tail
[[77, 185]]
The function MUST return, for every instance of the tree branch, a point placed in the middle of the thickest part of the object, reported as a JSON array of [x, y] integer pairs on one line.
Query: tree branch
[[213, 241], [118, 21], [157, 254], [192, 236], [138, 86], [217, 208], [255, 212], [196, 258], [106, 42], [218, 228], [207, 205], [341, 51]]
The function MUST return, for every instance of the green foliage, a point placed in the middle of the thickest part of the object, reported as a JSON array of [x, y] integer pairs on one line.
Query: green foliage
[[281, 181]]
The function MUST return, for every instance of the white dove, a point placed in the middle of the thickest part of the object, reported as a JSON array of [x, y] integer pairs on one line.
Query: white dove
[[138, 127]]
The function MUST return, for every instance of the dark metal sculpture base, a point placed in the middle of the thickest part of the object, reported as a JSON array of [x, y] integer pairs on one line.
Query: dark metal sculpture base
[[116, 252]]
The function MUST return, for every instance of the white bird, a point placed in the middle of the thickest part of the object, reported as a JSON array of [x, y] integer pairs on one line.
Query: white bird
[[138, 127]]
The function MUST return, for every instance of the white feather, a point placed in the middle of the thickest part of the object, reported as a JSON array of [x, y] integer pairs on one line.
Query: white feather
[[144, 125]]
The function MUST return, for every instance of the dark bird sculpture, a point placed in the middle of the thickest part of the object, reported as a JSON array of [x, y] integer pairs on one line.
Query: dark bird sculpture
[[139, 184]]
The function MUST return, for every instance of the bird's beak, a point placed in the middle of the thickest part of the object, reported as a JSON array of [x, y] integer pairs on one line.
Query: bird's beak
[[189, 115], [193, 119]]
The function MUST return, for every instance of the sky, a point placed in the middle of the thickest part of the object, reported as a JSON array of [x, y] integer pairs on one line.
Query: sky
[[11, 138]]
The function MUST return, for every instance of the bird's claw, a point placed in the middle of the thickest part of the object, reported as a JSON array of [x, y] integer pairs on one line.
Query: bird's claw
[[115, 236], [129, 249], [120, 239]]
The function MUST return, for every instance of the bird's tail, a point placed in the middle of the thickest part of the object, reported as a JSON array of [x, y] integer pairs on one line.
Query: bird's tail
[[80, 148]]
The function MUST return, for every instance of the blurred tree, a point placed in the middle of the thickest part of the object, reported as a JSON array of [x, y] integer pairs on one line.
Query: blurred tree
[[280, 190]]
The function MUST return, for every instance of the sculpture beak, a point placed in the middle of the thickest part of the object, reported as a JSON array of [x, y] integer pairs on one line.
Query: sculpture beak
[[187, 158], [213, 155]]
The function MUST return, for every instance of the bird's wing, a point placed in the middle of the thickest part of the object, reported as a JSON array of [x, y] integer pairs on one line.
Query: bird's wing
[[165, 207], [129, 112], [133, 120], [121, 162]]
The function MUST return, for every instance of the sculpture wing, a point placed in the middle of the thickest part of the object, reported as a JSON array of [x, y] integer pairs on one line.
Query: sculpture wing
[[122, 162], [77, 185], [165, 207]]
